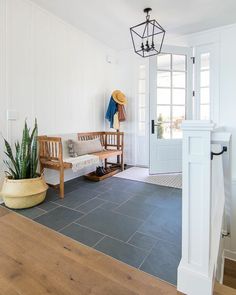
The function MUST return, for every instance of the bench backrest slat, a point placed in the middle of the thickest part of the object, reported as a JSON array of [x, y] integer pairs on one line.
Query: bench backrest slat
[[50, 148], [114, 140]]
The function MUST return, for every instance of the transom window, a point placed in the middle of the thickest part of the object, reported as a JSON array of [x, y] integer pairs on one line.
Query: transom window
[[171, 94]]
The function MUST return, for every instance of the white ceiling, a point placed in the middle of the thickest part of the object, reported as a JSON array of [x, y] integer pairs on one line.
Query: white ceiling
[[110, 20]]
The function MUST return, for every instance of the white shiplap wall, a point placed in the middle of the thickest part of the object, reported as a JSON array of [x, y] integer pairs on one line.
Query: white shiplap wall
[[52, 71]]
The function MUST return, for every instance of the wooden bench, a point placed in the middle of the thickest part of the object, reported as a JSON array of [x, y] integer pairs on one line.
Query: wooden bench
[[51, 152]]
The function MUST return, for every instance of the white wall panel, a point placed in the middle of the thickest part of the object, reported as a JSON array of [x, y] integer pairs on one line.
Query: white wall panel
[[19, 62], [52, 71]]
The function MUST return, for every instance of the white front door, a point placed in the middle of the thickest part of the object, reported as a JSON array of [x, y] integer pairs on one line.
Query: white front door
[[170, 102]]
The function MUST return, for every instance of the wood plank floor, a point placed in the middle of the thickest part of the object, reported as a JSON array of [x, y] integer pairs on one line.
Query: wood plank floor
[[36, 260], [223, 290], [230, 273]]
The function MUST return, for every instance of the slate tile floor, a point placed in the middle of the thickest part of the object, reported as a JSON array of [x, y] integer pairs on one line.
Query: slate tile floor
[[137, 223]]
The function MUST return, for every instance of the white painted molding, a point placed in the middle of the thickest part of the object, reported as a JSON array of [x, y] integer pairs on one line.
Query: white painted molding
[[230, 254], [221, 136], [194, 271], [197, 125]]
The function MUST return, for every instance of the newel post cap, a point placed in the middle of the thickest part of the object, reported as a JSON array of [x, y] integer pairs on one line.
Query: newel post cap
[[198, 125]]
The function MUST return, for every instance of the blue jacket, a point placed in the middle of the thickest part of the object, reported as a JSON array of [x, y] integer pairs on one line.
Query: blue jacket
[[111, 110]]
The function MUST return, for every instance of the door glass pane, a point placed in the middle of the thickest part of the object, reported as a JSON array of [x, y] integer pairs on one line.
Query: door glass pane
[[205, 95], [205, 112], [163, 113], [163, 131], [142, 114], [205, 78], [163, 79], [178, 115], [164, 62], [141, 86], [179, 62], [163, 95], [205, 61], [178, 96], [179, 79]]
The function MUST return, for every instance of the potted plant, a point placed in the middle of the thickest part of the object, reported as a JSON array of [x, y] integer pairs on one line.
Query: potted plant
[[23, 186]]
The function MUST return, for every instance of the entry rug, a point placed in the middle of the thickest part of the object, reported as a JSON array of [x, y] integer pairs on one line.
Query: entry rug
[[142, 174]]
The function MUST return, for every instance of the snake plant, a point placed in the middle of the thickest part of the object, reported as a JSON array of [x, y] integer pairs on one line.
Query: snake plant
[[23, 164]]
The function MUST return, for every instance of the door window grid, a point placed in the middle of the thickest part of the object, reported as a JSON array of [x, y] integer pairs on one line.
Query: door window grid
[[205, 86], [171, 78]]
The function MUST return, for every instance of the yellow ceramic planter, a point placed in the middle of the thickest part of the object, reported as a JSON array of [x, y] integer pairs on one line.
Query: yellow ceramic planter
[[23, 193]]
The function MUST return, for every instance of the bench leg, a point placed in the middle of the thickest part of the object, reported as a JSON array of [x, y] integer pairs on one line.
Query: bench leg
[[118, 159], [122, 162], [62, 183]]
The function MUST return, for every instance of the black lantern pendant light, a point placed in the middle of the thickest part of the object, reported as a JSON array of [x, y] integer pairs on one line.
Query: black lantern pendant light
[[147, 37]]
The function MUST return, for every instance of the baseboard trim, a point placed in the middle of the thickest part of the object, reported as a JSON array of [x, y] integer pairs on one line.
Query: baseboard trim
[[230, 255], [193, 282]]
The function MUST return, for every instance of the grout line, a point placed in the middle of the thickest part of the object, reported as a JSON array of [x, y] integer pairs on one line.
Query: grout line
[[98, 242], [105, 202], [63, 206], [105, 235], [59, 230], [131, 237], [91, 209], [159, 239], [148, 254], [131, 217]]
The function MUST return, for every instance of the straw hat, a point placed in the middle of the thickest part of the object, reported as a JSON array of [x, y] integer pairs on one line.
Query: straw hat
[[119, 97]]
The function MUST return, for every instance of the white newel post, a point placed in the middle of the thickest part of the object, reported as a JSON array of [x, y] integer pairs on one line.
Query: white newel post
[[194, 271]]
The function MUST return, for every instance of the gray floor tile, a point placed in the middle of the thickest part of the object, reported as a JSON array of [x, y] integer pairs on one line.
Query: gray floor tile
[[100, 186], [136, 209], [82, 234], [121, 251], [31, 212], [47, 206], [76, 198], [52, 195], [140, 188], [111, 223], [159, 197], [109, 205], [59, 218], [163, 261], [164, 225], [70, 188], [142, 241], [115, 196], [90, 205]]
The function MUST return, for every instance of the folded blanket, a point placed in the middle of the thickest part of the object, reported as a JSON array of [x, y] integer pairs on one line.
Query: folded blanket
[[82, 161]]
